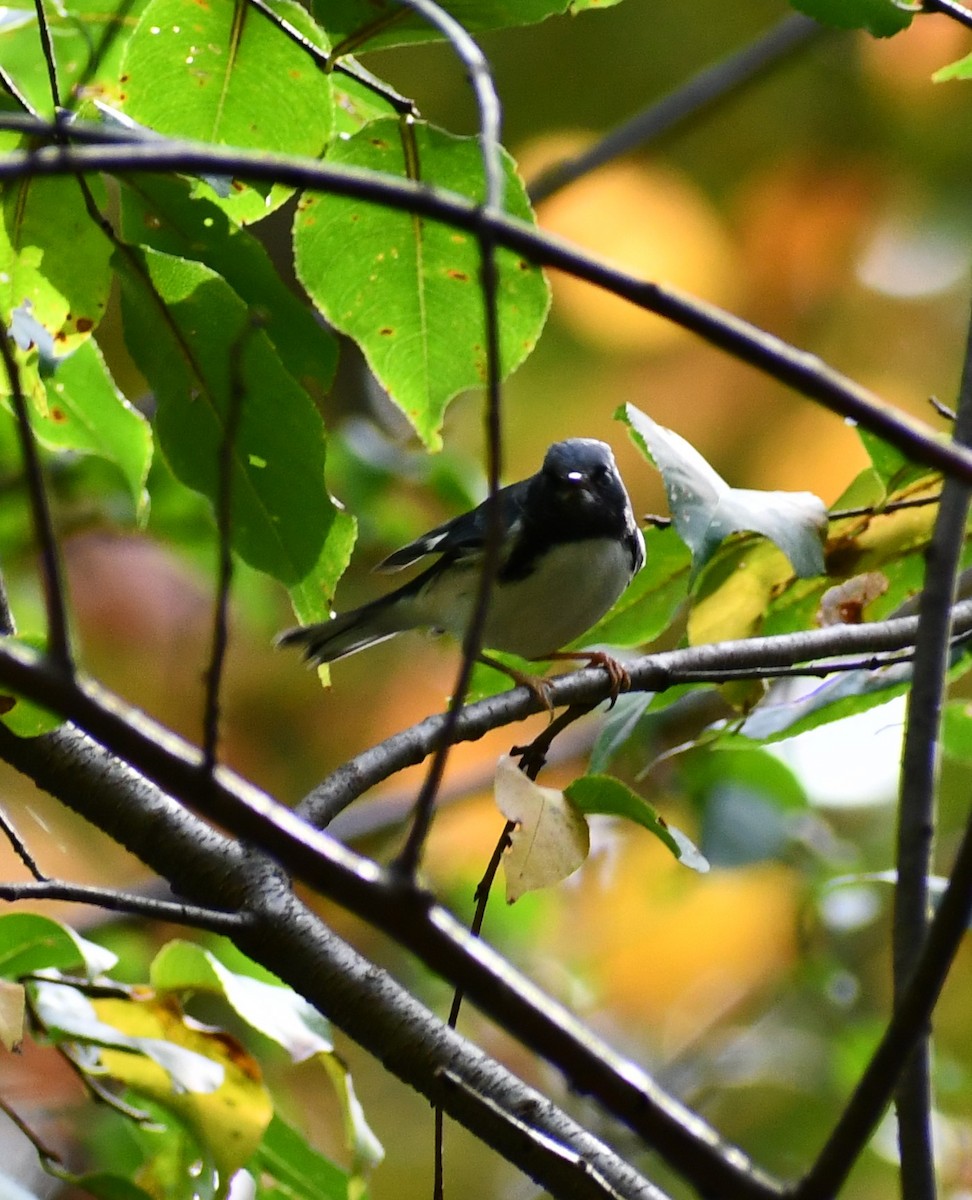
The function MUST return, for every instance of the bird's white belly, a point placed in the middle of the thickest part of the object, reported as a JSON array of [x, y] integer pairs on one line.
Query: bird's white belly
[[572, 588]]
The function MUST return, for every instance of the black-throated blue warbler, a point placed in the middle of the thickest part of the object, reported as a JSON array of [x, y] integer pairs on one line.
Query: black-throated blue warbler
[[570, 546]]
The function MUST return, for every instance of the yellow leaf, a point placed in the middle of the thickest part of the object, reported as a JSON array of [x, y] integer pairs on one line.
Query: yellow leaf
[[229, 1121], [11, 1014], [551, 839]]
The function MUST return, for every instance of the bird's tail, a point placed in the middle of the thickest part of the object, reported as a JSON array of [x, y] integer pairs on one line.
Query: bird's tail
[[345, 634]]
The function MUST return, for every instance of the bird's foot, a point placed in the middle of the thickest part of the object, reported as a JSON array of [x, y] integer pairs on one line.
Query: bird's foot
[[617, 675], [539, 686]]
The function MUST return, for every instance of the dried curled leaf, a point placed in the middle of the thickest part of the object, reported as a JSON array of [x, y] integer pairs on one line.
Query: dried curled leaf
[[551, 839]]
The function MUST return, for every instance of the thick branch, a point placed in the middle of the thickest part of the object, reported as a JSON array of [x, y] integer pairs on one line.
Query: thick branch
[[360, 998], [408, 915]]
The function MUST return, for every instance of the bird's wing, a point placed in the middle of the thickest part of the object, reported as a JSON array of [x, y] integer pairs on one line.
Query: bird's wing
[[461, 538]]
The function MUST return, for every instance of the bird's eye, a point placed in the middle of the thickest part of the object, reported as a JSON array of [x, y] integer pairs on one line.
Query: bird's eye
[[600, 473]]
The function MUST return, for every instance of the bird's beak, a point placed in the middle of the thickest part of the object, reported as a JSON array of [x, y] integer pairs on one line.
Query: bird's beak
[[577, 487]]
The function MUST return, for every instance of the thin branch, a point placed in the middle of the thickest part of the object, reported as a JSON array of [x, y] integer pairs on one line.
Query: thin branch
[[487, 101], [20, 847], [711, 85], [224, 574], [58, 644], [804, 372], [331, 62], [919, 782], [483, 889], [9, 85], [47, 48], [893, 506], [128, 903], [43, 1150], [911, 1015], [652, 673]]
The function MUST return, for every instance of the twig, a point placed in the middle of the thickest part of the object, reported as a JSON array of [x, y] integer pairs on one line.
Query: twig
[[919, 781], [798, 369], [58, 645], [47, 47], [912, 1012], [534, 756], [483, 889], [654, 672], [43, 1150], [943, 410], [224, 517], [9, 85], [129, 903], [333, 63], [487, 101], [20, 847], [712, 84]]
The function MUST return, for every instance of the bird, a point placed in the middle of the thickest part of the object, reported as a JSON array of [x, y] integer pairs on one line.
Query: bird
[[569, 547]]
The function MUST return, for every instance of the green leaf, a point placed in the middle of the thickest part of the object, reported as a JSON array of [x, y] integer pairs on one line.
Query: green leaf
[[408, 289], [843, 696], [158, 211], [894, 469], [375, 23], [223, 73], [31, 943], [311, 597], [706, 510], [962, 69], [272, 1009], [305, 1174], [54, 260], [653, 597], [23, 717], [88, 38], [748, 798], [604, 794], [957, 731], [277, 1012], [103, 1185], [86, 413], [200, 350], [616, 728], [883, 18]]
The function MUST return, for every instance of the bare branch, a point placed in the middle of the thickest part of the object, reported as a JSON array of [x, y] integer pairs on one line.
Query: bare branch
[[919, 783], [679, 106], [653, 673], [129, 903], [58, 644], [283, 935], [407, 914], [20, 848], [802, 371], [488, 105], [912, 1013]]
